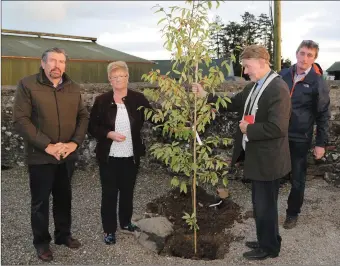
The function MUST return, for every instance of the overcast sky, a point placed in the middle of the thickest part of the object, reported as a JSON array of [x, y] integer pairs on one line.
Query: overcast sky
[[131, 26]]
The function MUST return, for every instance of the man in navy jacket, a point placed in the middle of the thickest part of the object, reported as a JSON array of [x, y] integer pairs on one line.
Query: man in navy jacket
[[310, 105]]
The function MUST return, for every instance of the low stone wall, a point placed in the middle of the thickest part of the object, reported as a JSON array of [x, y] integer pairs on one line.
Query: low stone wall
[[12, 146]]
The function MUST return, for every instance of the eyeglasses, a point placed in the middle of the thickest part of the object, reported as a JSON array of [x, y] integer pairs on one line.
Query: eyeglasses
[[116, 77]]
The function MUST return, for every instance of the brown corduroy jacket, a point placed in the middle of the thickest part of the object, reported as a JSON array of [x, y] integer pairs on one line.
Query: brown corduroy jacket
[[43, 114]]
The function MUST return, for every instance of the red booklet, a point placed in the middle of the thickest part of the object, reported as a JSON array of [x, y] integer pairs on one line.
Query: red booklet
[[249, 118]]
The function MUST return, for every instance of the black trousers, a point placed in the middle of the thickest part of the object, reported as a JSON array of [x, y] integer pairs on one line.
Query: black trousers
[[44, 179], [119, 174], [264, 198], [298, 155]]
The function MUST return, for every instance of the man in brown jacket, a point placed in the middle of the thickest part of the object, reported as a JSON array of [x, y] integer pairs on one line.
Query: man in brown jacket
[[49, 114], [262, 142]]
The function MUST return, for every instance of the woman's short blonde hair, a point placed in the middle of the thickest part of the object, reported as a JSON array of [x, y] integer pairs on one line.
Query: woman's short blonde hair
[[256, 52], [121, 65]]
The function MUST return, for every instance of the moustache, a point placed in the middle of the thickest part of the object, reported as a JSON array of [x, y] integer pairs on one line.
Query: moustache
[[54, 69]]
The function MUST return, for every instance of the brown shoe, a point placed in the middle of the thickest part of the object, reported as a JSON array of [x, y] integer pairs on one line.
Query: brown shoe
[[45, 254], [69, 242], [290, 222]]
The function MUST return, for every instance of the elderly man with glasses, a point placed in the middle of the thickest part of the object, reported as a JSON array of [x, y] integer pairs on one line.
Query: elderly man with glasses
[[310, 105]]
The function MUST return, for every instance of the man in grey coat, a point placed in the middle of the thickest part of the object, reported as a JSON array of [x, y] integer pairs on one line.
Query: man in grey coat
[[262, 142]]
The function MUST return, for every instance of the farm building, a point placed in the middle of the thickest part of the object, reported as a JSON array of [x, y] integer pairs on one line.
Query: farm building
[[334, 70], [22, 50]]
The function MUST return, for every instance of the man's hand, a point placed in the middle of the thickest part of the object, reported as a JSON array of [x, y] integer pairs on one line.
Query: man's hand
[[61, 150], [68, 148], [115, 136], [53, 150], [318, 152], [197, 88], [243, 126]]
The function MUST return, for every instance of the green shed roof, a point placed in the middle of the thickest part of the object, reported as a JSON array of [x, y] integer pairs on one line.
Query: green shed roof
[[27, 46], [334, 67]]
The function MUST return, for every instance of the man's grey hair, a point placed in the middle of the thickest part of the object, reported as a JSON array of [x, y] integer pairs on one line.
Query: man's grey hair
[[53, 50]]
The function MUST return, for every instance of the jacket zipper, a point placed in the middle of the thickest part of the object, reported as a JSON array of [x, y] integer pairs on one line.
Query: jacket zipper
[[56, 102], [129, 114]]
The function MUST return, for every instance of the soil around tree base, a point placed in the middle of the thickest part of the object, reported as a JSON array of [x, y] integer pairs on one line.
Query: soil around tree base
[[212, 237]]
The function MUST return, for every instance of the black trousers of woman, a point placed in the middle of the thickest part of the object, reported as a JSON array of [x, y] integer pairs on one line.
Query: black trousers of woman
[[118, 175]]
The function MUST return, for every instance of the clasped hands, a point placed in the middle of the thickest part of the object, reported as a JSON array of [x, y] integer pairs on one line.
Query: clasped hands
[[61, 150]]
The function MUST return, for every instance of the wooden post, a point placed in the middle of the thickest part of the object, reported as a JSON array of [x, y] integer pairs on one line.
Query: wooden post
[[195, 171], [277, 35]]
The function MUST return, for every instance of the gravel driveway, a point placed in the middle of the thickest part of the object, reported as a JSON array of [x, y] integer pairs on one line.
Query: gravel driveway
[[315, 241]]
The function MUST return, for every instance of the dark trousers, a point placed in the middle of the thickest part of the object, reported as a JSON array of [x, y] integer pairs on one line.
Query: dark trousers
[[119, 174], [298, 154], [264, 198], [44, 179]]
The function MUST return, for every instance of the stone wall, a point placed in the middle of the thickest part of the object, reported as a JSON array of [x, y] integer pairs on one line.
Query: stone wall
[[12, 146]]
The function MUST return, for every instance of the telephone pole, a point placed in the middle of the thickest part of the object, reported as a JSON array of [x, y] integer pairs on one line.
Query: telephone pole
[[277, 35]]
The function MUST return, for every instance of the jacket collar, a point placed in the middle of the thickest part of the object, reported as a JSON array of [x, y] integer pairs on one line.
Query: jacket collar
[[128, 96], [42, 78], [312, 75]]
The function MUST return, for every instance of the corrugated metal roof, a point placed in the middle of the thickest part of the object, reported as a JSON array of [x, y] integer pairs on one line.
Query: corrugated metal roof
[[27, 46], [334, 67]]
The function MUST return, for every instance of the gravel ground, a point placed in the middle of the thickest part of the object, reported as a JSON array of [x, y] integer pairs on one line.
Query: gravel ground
[[315, 241]]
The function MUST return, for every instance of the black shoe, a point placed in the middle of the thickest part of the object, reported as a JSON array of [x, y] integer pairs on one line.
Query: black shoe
[[290, 222], [259, 254], [44, 253], [252, 244], [110, 239], [69, 242], [130, 228]]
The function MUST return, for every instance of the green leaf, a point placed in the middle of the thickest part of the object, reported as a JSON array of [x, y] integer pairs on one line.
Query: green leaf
[[159, 10], [224, 104], [183, 187], [186, 216], [160, 21], [225, 181], [221, 76], [175, 182], [233, 58], [149, 115]]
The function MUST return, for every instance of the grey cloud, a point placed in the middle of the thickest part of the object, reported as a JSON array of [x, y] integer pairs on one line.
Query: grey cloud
[[129, 47], [109, 11], [333, 50], [330, 33], [89, 18]]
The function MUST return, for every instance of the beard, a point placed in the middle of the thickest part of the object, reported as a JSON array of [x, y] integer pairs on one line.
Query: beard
[[55, 73]]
